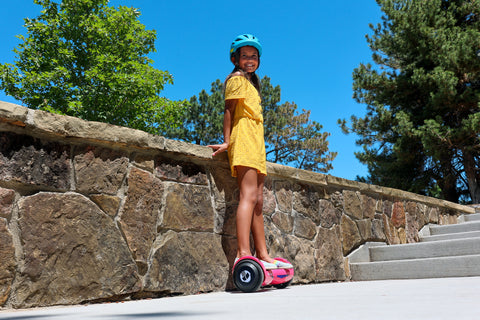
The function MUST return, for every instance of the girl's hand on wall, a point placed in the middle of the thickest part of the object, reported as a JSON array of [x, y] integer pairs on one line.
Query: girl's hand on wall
[[218, 148]]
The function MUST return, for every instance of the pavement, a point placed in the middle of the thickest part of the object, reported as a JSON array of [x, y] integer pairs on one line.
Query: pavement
[[442, 298]]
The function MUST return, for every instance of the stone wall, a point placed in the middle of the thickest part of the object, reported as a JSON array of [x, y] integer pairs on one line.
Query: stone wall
[[92, 212]]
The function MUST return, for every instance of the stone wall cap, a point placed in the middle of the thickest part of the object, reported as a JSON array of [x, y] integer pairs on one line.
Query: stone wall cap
[[54, 126], [13, 114], [396, 193], [276, 169], [188, 148]]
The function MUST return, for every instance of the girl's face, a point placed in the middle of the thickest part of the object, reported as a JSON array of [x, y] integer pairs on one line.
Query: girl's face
[[248, 60]]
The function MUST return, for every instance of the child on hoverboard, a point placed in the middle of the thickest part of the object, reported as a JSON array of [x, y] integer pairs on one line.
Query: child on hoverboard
[[244, 142]]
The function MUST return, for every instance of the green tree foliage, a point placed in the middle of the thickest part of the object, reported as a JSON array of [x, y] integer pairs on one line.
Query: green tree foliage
[[421, 131], [291, 137], [86, 59], [202, 118]]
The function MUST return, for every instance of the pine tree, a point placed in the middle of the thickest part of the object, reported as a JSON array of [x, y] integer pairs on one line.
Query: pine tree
[[202, 118], [421, 131], [290, 136]]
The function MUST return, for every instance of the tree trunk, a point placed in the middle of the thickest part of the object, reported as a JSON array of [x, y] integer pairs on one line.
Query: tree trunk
[[449, 180], [449, 188], [473, 175]]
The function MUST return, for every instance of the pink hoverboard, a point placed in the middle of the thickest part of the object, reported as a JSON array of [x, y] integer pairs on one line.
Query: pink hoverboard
[[249, 274]]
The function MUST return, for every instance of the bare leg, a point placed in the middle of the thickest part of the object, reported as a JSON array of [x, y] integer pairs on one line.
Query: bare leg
[[249, 213], [258, 228], [247, 181]]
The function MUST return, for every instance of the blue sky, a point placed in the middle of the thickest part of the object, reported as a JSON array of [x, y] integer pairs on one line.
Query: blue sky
[[310, 49]]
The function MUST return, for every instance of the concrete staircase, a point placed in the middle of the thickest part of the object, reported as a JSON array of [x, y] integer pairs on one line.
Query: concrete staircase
[[443, 251]]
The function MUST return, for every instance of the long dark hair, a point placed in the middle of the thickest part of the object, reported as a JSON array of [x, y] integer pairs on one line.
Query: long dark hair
[[254, 79]]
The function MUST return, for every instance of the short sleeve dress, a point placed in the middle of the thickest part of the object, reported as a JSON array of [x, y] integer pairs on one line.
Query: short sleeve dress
[[247, 144]]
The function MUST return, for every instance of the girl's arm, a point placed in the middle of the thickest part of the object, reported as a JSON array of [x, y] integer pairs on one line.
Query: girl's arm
[[227, 127]]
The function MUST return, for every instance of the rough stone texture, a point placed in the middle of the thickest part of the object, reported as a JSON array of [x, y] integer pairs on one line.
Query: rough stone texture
[[391, 233], [433, 215], [229, 245], [139, 215], [7, 197], [365, 228], [305, 228], [99, 170], [188, 263], [283, 221], [452, 219], [33, 163], [94, 212], [337, 200], [194, 150], [329, 215], [411, 208], [369, 206], [443, 219], [284, 196], [379, 207], [414, 222], [353, 204], [378, 228], [145, 162], [13, 114], [224, 186], [73, 253], [7, 262], [228, 224], [328, 255], [269, 203], [301, 254], [398, 215], [51, 125], [388, 208], [306, 202], [422, 214], [350, 235], [167, 169], [188, 207], [109, 204], [402, 235]]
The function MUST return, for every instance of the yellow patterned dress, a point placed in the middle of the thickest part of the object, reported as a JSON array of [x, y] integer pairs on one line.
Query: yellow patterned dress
[[247, 144]]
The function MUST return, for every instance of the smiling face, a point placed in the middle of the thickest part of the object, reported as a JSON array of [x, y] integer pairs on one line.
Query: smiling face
[[247, 59]]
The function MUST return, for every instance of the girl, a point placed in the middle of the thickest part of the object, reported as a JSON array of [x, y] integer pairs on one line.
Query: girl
[[244, 141]]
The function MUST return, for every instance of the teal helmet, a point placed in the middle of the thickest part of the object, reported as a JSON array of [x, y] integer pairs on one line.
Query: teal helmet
[[244, 40]]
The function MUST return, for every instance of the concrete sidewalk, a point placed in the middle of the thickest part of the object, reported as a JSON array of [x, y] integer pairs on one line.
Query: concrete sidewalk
[[445, 298]]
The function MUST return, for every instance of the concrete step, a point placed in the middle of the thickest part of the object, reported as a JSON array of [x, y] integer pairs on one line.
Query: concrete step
[[457, 247], [450, 236], [440, 267], [443, 251], [455, 228], [469, 217]]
